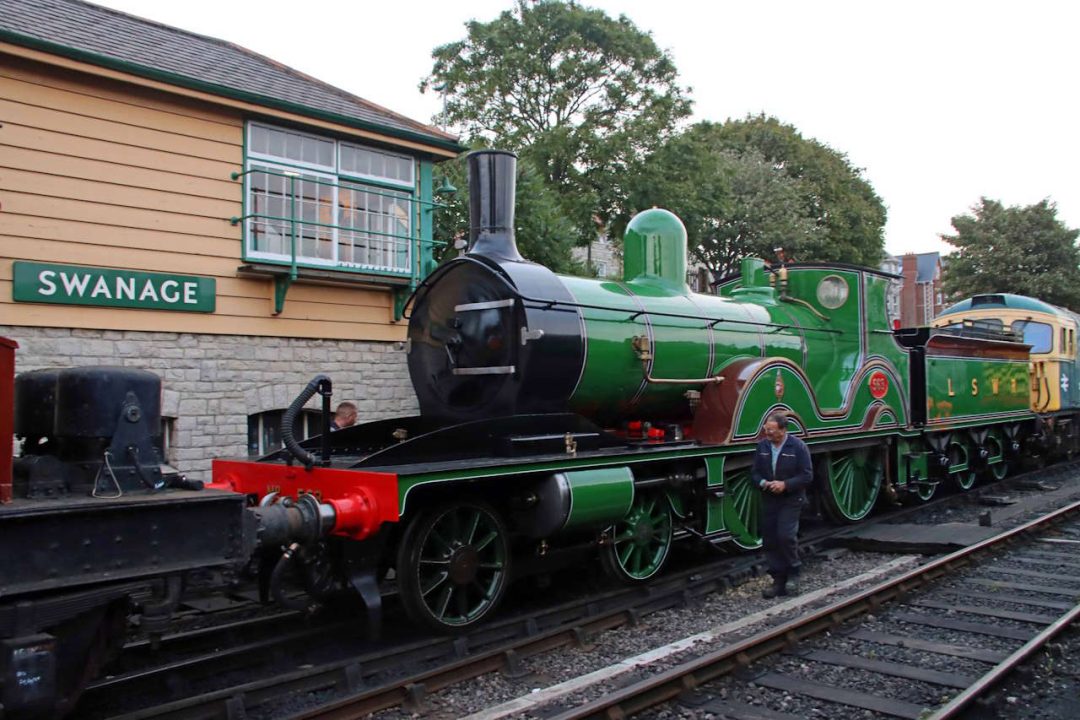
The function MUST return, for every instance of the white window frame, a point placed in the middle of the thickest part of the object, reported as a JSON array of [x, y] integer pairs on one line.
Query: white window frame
[[409, 184], [310, 426], [168, 431], [255, 161], [257, 165]]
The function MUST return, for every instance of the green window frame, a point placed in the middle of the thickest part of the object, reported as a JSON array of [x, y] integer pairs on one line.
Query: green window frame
[[342, 205]]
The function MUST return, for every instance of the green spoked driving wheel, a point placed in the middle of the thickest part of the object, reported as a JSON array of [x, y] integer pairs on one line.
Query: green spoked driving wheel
[[742, 509], [925, 491], [998, 465], [960, 472], [639, 543], [453, 565], [853, 483]]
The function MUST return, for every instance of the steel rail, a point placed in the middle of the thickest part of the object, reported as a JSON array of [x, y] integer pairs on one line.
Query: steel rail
[[1006, 666], [671, 683], [508, 644]]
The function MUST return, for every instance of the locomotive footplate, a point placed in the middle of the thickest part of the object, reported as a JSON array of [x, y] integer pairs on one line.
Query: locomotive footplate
[[49, 545], [73, 564]]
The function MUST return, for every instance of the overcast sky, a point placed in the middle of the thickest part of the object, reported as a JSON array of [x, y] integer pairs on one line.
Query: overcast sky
[[939, 102]]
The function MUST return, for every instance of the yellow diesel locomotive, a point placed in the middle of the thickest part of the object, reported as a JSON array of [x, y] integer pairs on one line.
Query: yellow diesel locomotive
[[1054, 373]]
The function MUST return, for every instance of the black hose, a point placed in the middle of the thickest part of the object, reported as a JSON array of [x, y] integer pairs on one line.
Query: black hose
[[277, 583], [319, 383]]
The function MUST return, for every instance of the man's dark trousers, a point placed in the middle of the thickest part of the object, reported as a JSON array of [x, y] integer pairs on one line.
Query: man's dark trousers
[[779, 533]]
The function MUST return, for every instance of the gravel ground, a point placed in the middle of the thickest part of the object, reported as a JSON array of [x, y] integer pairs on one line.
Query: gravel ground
[[942, 635], [877, 651], [1046, 689], [1037, 562], [654, 631], [895, 688], [969, 512], [965, 596]]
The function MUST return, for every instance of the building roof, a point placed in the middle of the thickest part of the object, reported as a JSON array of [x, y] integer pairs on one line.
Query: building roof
[[113, 39], [927, 264], [891, 264]]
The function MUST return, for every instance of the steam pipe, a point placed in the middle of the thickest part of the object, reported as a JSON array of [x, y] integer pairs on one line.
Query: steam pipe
[[643, 349]]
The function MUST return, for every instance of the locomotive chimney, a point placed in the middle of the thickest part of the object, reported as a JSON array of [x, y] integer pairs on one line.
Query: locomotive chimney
[[492, 182]]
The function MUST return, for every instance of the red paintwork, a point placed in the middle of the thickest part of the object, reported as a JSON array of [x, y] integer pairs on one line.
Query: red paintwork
[[965, 347], [362, 501], [879, 384]]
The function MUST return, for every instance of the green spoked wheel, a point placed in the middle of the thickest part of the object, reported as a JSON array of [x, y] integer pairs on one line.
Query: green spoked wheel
[[640, 542], [999, 466], [742, 509], [853, 483], [926, 491], [453, 565], [960, 473]]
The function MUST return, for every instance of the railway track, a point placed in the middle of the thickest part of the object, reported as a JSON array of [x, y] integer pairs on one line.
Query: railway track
[[289, 668], [495, 646], [927, 644]]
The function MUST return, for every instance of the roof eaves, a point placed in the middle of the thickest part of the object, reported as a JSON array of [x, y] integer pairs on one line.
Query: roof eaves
[[152, 73], [344, 94]]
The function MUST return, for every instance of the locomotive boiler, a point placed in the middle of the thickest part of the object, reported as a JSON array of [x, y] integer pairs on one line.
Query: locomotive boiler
[[492, 334]]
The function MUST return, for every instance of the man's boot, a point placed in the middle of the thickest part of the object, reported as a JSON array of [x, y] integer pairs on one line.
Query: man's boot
[[777, 588], [792, 586]]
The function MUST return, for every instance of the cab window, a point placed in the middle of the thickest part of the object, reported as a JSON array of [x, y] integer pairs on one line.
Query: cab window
[[1039, 336]]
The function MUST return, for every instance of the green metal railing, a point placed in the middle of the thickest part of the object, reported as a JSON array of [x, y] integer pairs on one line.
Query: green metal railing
[[416, 248]]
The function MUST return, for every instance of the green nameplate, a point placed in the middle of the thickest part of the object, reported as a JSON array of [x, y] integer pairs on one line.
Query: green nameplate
[[106, 287]]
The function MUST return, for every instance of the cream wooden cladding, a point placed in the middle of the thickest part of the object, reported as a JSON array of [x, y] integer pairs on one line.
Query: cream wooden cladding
[[102, 173]]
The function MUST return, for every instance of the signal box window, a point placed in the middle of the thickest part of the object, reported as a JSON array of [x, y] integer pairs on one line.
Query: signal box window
[[343, 206]]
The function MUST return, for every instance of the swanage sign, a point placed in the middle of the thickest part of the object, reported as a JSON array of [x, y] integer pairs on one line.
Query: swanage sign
[[105, 287]]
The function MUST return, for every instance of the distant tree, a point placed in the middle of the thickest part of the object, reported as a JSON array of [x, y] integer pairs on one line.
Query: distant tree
[[1023, 250], [543, 233], [580, 95], [835, 195], [733, 204]]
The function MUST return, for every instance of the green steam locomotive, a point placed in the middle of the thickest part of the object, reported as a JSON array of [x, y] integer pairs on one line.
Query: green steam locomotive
[[562, 414]]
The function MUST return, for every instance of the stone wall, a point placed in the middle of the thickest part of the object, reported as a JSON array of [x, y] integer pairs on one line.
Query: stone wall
[[212, 383]]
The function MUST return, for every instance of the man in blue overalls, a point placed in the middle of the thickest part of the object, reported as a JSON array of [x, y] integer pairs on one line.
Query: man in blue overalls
[[783, 471]]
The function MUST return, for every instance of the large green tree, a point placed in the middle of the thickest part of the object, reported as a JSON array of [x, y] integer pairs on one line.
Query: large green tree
[[733, 203], [1023, 250], [834, 194], [580, 95]]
